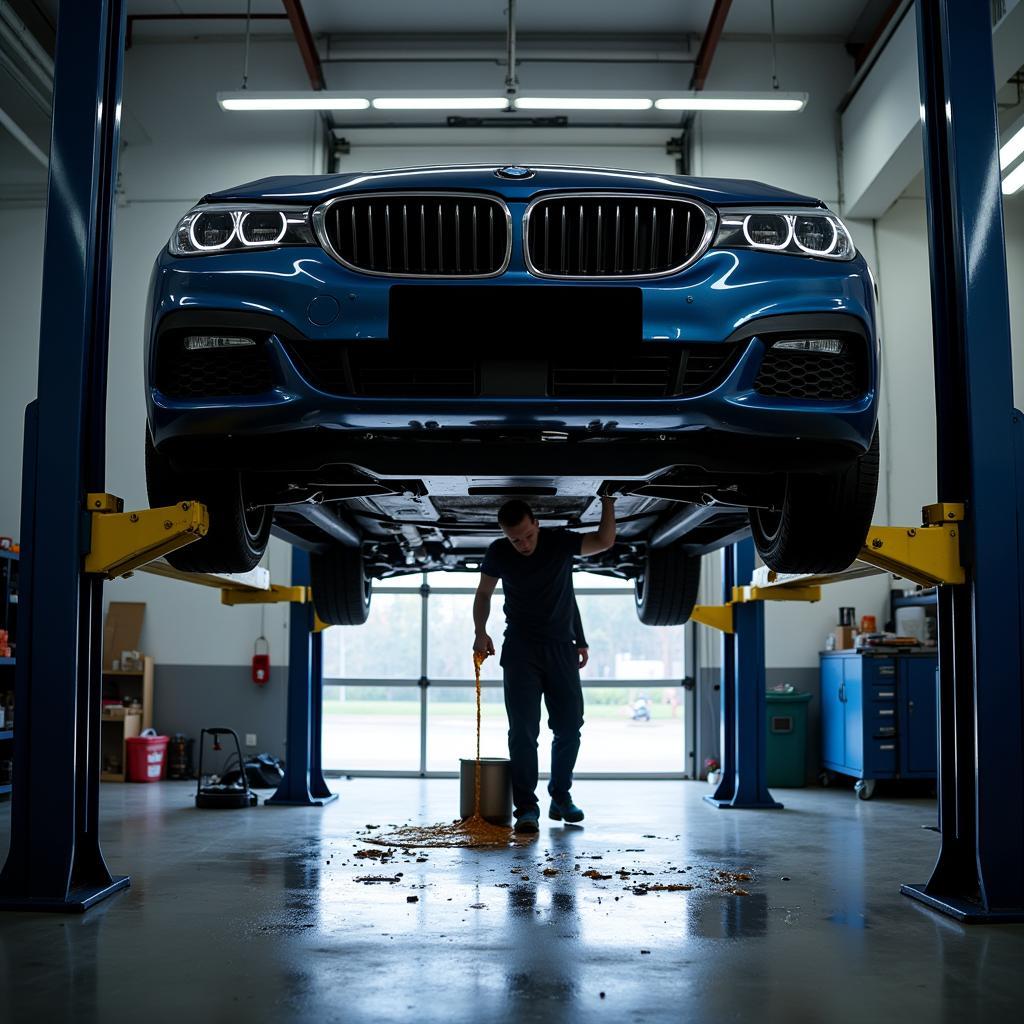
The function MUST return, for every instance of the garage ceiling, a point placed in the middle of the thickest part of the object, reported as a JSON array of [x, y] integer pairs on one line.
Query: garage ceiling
[[846, 20]]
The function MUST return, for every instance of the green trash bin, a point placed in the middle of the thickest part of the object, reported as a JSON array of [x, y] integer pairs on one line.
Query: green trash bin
[[787, 739]]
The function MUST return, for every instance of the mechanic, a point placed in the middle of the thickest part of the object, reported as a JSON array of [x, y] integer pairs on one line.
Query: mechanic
[[544, 648]]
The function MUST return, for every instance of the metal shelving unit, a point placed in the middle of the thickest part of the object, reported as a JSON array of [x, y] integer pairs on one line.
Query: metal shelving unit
[[8, 620]]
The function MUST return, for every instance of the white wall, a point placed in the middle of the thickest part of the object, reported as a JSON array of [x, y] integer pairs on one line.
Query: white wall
[[792, 151]]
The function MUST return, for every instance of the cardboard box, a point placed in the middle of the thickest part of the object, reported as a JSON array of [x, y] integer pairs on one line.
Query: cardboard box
[[122, 631], [844, 637]]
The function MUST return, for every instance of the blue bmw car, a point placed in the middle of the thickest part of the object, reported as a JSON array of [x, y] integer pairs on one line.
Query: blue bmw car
[[370, 364]]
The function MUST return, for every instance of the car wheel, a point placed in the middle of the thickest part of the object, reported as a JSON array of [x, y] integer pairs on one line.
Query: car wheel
[[237, 536], [823, 519], [666, 591], [341, 588]]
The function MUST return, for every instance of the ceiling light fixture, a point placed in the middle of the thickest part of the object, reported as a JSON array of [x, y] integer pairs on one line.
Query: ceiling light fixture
[[752, 102], [1013, 149], [249, 100], [1014, 181], [246, 99], [580, 103], [433, 103]]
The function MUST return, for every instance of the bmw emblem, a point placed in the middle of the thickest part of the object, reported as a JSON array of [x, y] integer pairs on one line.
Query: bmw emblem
[[515, 173]]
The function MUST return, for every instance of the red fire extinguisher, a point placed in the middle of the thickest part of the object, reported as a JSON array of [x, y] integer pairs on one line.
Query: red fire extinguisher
[[261, 662]]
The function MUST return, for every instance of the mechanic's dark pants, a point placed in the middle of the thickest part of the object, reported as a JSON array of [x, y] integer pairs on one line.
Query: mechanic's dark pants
[[533, 670]]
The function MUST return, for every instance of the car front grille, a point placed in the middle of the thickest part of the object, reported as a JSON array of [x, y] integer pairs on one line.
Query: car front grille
[[211, 373], [395, 369], [609, 235], [410, 234], [788, 373]]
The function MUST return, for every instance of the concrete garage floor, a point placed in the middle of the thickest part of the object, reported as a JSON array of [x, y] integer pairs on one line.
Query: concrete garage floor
[[255, 916]]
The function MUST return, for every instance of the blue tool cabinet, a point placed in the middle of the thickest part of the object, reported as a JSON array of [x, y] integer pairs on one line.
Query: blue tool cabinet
[[878, 715]]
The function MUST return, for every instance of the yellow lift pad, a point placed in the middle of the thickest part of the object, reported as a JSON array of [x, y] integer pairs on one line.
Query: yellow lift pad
[[121, 541]]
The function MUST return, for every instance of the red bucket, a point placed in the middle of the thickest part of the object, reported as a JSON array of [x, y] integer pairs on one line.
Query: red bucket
[[147, 757]]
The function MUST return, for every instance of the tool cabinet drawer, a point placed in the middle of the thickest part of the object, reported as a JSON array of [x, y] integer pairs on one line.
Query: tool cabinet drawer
[[880, 757], [879, 717], [883, 691]]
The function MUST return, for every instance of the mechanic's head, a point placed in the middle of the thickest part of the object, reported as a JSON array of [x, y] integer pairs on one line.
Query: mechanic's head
[[519, 524]]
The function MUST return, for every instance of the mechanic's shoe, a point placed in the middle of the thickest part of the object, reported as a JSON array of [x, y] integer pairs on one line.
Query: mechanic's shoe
[[567, 811], [528, 821]]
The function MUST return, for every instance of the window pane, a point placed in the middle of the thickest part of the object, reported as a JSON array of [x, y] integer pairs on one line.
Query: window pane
[[412, 581], [386, 647], [625, 730], [451, 725], [621, 647], [592, 581], [631, 730], [450, 637], [375, 728], [453, 579]]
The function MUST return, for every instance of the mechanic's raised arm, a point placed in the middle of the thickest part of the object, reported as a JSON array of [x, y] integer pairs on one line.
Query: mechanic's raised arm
[[481, 610], [604, 538]]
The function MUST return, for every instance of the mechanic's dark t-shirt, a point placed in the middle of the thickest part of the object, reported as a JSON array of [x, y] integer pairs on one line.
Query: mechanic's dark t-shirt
[[539, 601]]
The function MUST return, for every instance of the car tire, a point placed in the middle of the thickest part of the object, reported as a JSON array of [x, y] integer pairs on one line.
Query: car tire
[[237, 537], [341, 588], [823, 520], [666, 591]]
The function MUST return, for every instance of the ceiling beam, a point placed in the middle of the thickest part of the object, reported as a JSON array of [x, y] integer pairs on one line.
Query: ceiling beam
[[307, 47], [709, 44]]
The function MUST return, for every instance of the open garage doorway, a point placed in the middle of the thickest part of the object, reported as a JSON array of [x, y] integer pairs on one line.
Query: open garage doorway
[[399, 691]]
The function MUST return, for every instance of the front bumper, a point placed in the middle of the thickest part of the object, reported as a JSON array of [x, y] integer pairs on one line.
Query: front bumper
[[728, 296]]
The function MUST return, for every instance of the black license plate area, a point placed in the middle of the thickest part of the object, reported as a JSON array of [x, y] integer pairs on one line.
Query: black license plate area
[[530, 317]]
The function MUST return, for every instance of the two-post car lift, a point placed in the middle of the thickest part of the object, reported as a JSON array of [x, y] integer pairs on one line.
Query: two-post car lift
[[55, 860], [971, 542]]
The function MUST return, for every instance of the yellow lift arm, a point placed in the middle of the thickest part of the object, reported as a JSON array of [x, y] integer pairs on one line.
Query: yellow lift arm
[[121, 542], [928, 555], [125, 542]]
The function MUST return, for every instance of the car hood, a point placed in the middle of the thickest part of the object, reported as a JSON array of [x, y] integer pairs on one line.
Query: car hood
[[484, 177]]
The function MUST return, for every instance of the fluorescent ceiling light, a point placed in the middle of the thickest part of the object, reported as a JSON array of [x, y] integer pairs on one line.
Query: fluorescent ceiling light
[[755, 102], [1013, 149], [432, 103], [580, 103], [289, 101], [1014, 181]]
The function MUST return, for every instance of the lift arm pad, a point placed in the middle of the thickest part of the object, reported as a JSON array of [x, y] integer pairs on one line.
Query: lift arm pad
[[928, 555], [121, 542], [277, 594], [717, 616]]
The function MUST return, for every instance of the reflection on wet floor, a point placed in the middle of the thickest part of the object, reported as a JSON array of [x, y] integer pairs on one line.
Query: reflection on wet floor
[[260, 915]]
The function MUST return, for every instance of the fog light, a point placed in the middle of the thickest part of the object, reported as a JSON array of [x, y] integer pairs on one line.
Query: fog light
[[201, 342], [834, 346]]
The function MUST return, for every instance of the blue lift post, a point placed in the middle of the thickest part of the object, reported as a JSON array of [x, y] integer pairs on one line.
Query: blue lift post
[[744, 722], [979, 875], [303, 784], [55, 862]]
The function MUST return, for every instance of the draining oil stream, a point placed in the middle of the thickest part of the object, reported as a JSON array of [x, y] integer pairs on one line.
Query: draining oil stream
[[471, 831]]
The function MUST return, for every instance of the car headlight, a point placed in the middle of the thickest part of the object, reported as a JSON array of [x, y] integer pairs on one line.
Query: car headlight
[[213, 229], [796, 232]]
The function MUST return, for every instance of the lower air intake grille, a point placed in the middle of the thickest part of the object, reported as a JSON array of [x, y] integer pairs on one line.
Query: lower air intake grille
[[788, 373], [418, 234], [394, 369], [613, 235], [211, 373]]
